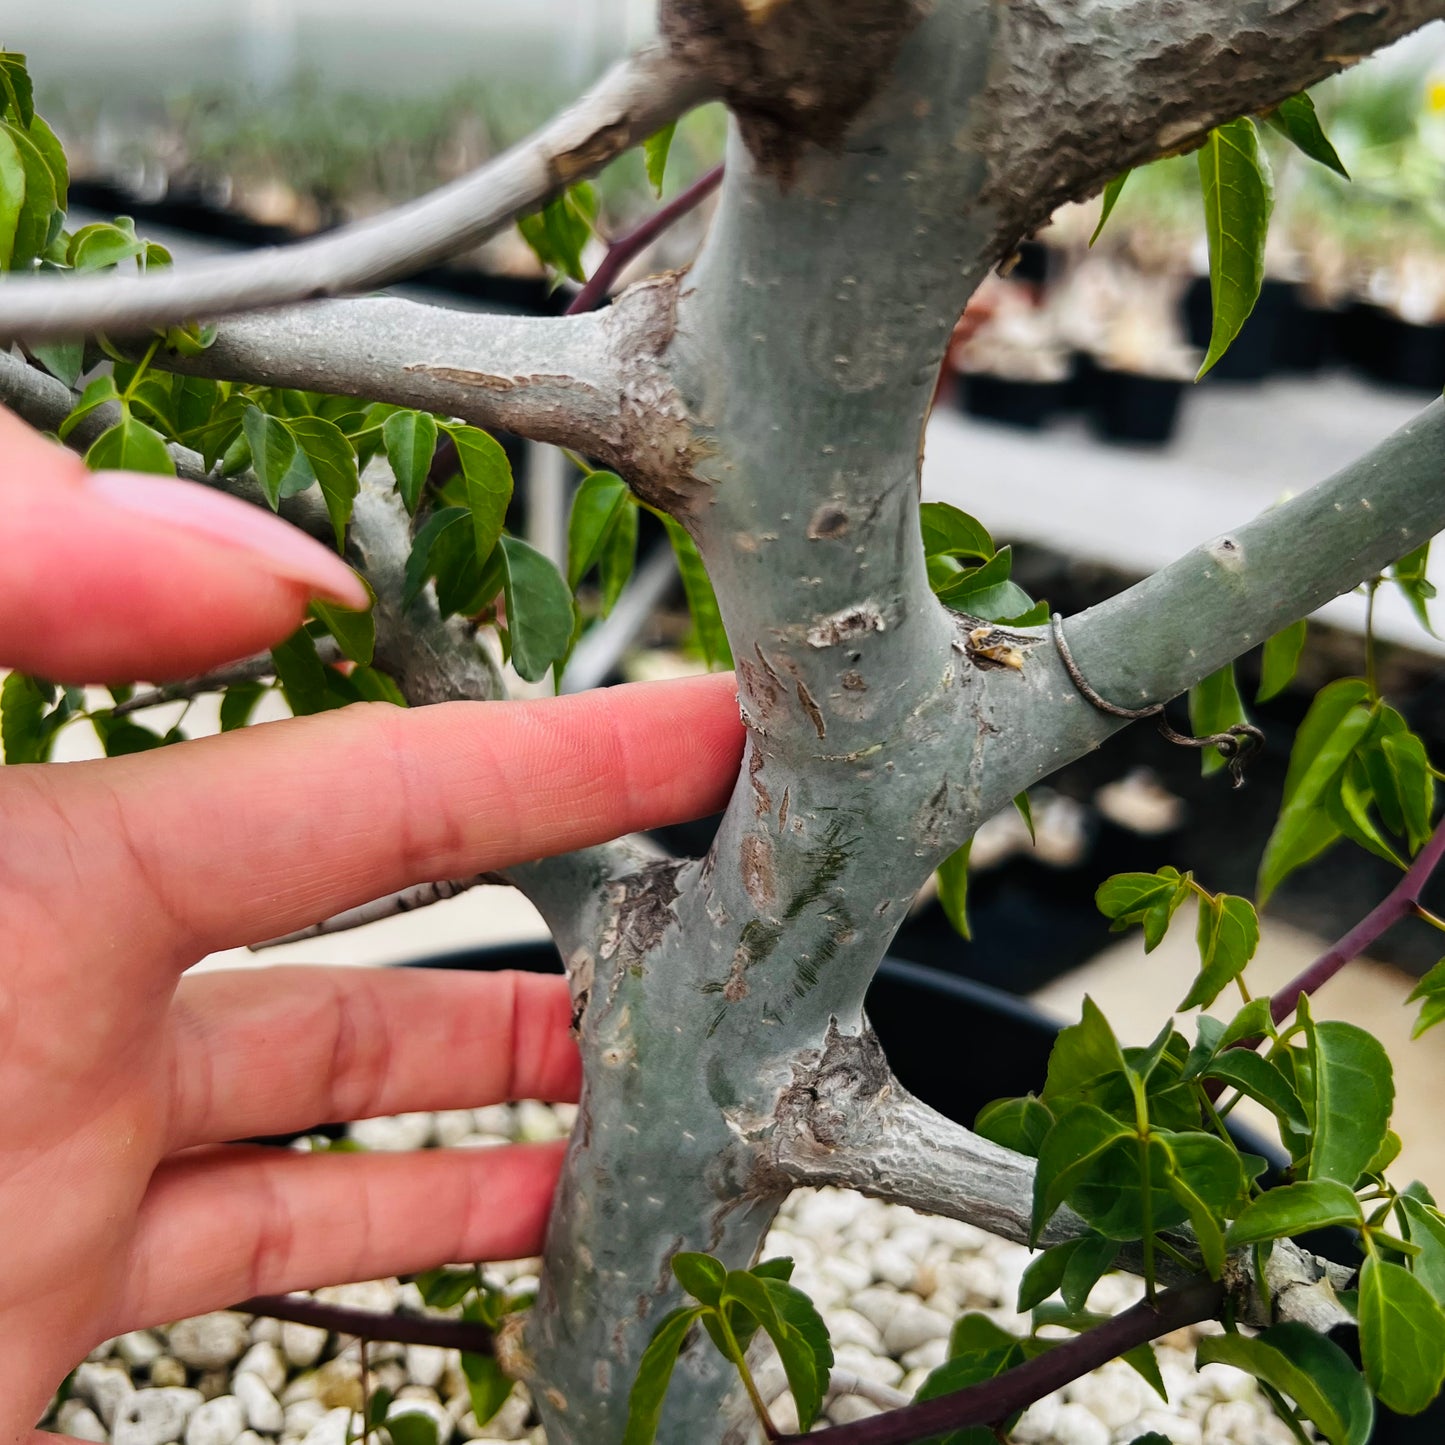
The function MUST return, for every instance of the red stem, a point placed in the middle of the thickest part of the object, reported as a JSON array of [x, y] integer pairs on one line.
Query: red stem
[[627, 246], [994, 1400], [1397, 904], [368, 1325]]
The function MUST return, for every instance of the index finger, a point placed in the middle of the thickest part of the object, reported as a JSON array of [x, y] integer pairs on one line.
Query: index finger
[[227, 840]]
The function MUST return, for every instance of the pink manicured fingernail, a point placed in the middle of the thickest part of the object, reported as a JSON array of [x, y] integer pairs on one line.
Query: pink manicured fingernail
[[277, 545]]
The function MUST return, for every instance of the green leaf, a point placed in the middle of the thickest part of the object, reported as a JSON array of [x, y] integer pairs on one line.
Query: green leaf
[[1424, 1227], [701, 600], [488, 477], [1338, 722], [1258, 1078], [355, 632], [1082, 1054], [1205, 1175], [701, 1276], [948, 532], [619, 557], [410, 438], [1072, 1150], [1293, 1209], [654, 155], [986, 591], [1215, 707], [1430, 994], [1402, 1337], [1312, 1370], [1234, 181], [303, 676], [1151, 899], [1410, 784], [539, 609], [24, 703], [411, 1427], [12, 196], [1227, 934], [64, 360], [1072, 1268], [1112, 192], [103, 244], [654, 1374], [798, 1334], [1017, 1124], [1297, 120], [16, 94], [38, 208], [600, 501], [953, 889], [1280, 660], [130, 446], [421, 563], [1353, 1094], [1348, 808], [100, 391], [1409, 575], [239, 702], [334, 465], [488, 1387], [443, 1288], [559, 231], [273, 451]]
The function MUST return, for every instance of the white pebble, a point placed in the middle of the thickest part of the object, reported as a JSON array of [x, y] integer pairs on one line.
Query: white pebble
[[302, 1344], [893, 1266], [264, 1361], [1115, 1393], [265, 1330], [495, 1119], [76, 1419], [845, 1409], [209, 1342], [451, 1125], [878, 1306], [426, 1364], [154, 1417], [1037, 1425], [103, 1387], [393, 1133], [913, 1324], [258, 1402], [848, 1327], [1074, 1425], [333, 1428], [870, 1367], [927, 1356], [302, 1415], [849, 1274], [1177, 1429], [167, 1371], [377, 1295], [139, 1349], [536, 1123], [218, 1422]]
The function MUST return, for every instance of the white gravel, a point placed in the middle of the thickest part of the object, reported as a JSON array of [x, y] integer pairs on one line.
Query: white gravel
[[888, 1282]]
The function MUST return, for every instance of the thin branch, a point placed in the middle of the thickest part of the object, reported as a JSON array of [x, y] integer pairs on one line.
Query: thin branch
[[1400, 902], [249, 669], [632, 101], [995, 1400], [408, 900], [398, 1329], [627, 247]]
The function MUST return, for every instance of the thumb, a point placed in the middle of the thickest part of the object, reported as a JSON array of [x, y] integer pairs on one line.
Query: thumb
[[116, 576]]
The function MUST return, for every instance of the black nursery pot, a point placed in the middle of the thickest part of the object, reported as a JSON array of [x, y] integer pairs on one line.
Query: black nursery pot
[[1130, 407], [1254, 354], [957, 1045], [1389, 349], [1026, 404]]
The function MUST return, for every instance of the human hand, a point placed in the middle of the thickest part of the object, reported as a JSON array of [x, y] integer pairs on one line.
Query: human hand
[[121, 1204]]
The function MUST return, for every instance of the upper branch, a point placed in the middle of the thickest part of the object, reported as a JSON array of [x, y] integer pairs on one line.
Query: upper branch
[[1081, 92], [633, 100]]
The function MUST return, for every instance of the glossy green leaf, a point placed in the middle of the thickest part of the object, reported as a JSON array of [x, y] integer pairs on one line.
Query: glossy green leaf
[[34, 223], [488, 1388], [1071, 1152], [1280, 660], [539, 609], [411, 1427], [24, 704], [1082, 1054], [559, 231], [1297, 120], [654, 1374], [797, 1331], [1072, 1269], [986, 591], [273, 451], [1348, 807], [130, 446], [953, 889], [17, 97], [1409, 575], [410, 438], [1412, 785], [12, 196], [1150, 899], [303, 676], [64, 360], [1429, 993], [1337, 724], [1019, 1124], [355, 632], [949, 532], [1234, 181], [334, 465], [1313, 1371], [1261, 1081], [1112, 192], [701, 600], [488, 477], [654, 155], [1425, 1228], [422, 563], [1293, 1209], [1214, 707], [701, 1276], [1025, 810], [239, 702], [619, 557], [1402, 1337], [600, 501], [103, 244], [99, 392], [1205, 1176], [1227, 934], [1353, 1094]]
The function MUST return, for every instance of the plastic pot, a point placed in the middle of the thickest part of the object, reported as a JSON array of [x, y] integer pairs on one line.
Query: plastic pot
[[1253, 354], [1131, 407], [1388, 349], [1026, 404]]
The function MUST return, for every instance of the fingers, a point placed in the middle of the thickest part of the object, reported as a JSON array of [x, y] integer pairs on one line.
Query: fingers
[[220, 1225], [232, 839], [112, 576], [277, 1050]]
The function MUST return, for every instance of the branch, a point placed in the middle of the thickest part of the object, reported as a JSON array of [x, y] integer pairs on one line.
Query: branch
[[636, 98], [625, 248], [1078, 96], [1399, 903], [249, 669], [466, 1335], [408, 900], [1157, 639], [847, 1122], [995, 1400]]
